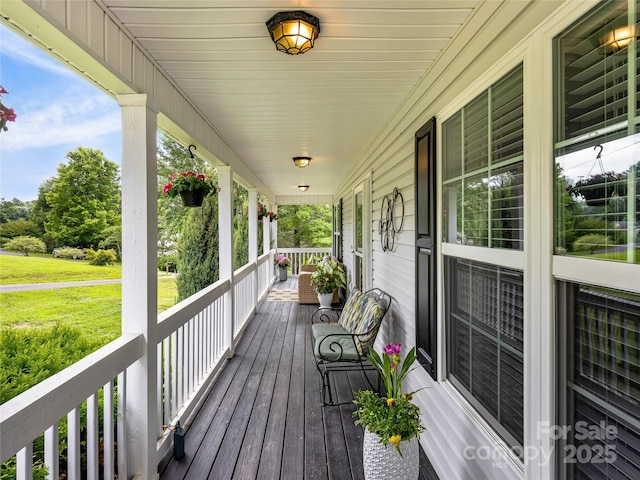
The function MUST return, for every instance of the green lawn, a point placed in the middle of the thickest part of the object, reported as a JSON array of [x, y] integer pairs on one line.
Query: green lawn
[[20, 269], [96, 310], [613, 256]]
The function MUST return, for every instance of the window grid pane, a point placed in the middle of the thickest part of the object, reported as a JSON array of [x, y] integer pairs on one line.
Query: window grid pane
[[485, 323], [483, 156], [600, 372]]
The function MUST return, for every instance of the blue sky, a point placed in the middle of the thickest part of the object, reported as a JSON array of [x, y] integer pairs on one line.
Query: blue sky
[[57, 110]]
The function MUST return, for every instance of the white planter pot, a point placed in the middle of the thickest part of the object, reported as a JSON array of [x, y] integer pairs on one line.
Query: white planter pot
[[325, 299], [382, 462]]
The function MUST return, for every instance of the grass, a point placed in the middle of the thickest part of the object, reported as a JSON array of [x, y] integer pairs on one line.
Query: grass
[[613, 256], [95, 310], [20, 269]]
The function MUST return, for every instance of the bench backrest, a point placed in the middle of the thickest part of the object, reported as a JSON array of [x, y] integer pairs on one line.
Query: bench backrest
[[363, 314]]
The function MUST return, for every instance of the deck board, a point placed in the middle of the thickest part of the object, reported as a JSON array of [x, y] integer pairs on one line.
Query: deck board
[[263, 418]]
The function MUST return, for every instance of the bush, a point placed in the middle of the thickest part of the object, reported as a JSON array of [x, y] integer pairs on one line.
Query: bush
[[30, 355], [25, 245], [69, 253], [101, 258], [591, 242], [164, 259]]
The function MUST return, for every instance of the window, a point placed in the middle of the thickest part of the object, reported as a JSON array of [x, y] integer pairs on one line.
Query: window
[[599, 354], [597, 136], [485, 333], [483, 155]]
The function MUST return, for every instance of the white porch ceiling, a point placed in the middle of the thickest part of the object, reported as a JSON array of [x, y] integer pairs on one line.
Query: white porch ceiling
[[329, 104]]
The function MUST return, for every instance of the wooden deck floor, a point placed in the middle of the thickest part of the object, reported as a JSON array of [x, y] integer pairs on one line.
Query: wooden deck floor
[[263, 417]]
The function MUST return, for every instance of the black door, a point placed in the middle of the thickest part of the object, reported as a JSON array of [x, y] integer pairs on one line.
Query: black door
[[425, 184]]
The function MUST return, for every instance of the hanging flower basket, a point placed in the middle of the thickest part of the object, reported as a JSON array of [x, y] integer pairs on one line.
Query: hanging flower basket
[[192, 198], [192, 188], [596, 189], [262, 211]]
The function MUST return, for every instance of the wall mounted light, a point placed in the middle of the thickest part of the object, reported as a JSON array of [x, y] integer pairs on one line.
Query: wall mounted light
[[301, 161], [293, 32], [617, 39], [303, 188]]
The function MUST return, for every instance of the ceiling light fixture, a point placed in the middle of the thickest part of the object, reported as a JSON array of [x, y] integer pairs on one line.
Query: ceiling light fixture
[[301, 161], [303, 188], [293, 32], [617, 39]]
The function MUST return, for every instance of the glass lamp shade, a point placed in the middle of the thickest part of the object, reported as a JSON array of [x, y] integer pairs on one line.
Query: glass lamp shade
[[293, 32], [301, 161], [303, 188], [617, 39]]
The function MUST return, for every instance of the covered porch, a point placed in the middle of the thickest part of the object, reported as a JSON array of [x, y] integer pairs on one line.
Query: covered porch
[[262, 417]]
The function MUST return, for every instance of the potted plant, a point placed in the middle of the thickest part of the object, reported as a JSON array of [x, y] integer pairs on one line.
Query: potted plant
[[328, 276], [272, 216], [192, 187], [282, 263], [596, 189], [391, 420]]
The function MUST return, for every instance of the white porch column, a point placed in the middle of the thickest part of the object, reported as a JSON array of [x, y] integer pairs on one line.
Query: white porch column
[[266, 236], [225, 239], [139, 277], [253, 225], [253, 239], [274, 227]]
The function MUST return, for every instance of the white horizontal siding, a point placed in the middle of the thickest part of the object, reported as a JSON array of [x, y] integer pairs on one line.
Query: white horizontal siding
[[453, 427]]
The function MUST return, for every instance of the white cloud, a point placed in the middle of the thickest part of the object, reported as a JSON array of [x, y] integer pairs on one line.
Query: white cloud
[[61, 121], [14, 47]]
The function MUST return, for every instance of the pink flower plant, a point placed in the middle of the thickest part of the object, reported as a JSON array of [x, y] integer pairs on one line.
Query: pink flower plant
[[189, 181], [6, 114]]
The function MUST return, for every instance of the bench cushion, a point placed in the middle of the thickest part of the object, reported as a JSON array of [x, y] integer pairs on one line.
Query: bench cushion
[[336, 347], [361, 315]]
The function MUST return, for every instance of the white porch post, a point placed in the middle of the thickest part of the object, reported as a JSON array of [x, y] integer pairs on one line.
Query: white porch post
[[139, 277], [274, 227], [266, 236], [225, 239], [253, 238]]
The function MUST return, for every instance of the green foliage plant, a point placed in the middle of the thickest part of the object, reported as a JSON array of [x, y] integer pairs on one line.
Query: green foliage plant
[[25, 245], [188, 182], [198, 249], [592, 242], [101, 258], [69, 253], [171, 259], [394, 418], [328, 275], [19, 228]]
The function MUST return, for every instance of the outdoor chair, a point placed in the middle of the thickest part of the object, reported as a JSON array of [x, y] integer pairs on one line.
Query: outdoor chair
[[343, 346]]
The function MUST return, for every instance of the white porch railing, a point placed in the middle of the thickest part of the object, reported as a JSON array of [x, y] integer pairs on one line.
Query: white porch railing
[[43, 407], [190, 350], [301, 256]]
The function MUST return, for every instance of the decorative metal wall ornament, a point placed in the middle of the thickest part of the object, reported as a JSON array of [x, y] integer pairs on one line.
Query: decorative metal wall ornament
[[390, 222]]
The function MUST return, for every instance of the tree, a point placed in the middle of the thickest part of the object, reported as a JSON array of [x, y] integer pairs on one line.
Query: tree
[[198, 249], [25, 245], [592, 242], [14, 210], [40, 210], [112, 239], [304, 226], [19, 228], [84, 199], [240, 226]]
